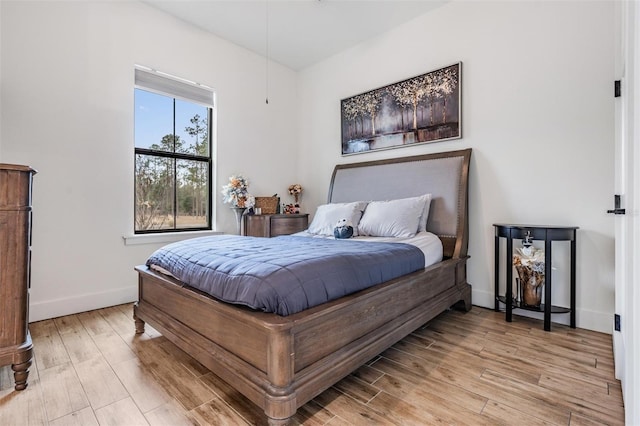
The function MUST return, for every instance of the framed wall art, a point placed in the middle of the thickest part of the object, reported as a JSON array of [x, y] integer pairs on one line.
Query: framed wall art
[[421, 109]]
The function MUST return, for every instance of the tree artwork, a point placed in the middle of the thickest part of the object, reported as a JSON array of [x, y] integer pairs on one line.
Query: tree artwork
[[369, 103], [410, 93], [421, 109], [351, 113], [447, 83], [363, 107]]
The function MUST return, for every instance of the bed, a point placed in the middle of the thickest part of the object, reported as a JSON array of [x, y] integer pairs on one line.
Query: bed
[[282, 362]]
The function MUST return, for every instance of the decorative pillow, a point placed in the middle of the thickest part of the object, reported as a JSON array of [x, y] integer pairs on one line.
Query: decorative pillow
[[327, 215], [395, 218], [422, 226]]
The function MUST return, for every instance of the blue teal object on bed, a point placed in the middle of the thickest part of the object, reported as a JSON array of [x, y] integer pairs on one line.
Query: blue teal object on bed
[[343, 232], [285, 274]]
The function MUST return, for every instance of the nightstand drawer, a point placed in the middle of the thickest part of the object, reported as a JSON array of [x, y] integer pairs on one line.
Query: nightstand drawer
[[272, 225], [285, 225], [257, 226]]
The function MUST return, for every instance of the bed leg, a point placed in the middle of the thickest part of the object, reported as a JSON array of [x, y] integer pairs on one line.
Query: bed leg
[[465, 299], [279, 422], [21, 374], [139, 323]]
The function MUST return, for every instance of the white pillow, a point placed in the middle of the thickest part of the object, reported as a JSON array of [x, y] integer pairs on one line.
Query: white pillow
[[422, 226], [327, 215], [395, 218]]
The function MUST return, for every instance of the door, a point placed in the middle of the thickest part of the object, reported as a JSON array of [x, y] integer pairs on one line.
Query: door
[[626, 340]]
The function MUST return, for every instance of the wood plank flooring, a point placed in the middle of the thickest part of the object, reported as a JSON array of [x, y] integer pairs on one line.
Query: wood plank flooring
[[461, 368]]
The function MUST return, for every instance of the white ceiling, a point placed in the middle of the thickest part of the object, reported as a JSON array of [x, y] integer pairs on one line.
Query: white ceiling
[[300, 32]]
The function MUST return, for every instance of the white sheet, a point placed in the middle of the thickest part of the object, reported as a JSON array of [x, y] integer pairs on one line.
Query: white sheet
[[427, 242]]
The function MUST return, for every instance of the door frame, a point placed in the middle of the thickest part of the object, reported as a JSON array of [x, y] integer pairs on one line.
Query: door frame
[[627, 227]]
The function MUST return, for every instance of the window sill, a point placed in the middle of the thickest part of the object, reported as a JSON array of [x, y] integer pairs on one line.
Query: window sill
[[169, 237]]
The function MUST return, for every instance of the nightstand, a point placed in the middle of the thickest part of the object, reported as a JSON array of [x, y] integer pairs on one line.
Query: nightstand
[[272, 225], [548, 234]]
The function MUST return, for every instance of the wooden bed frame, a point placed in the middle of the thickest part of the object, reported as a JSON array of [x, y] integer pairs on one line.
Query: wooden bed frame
[[280, 363]]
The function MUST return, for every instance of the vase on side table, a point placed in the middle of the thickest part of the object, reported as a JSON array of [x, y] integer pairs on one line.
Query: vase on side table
[[239, 211]]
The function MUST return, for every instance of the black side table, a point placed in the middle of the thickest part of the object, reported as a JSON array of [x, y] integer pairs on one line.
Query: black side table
[[536, 232]]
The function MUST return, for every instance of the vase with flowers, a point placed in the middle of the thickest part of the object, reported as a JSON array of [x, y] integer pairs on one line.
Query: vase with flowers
[[530, 266], [236, 193], [295, 190]]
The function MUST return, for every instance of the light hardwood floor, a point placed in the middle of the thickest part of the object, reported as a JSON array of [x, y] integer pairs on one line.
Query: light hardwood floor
[[461, 368]]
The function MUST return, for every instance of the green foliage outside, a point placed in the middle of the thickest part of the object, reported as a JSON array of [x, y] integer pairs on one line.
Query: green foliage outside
[[160, 179]]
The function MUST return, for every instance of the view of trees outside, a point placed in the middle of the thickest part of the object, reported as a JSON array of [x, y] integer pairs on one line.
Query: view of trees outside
[[419, 109], [171, 168]]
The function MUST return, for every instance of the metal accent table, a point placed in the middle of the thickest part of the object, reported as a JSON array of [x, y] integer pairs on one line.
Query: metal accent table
[[536, 232]]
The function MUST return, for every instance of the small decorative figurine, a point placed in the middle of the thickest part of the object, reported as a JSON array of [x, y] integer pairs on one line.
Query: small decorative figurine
[[343, 229]]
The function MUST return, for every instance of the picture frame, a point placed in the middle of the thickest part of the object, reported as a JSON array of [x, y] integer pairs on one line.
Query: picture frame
[[422, 109]]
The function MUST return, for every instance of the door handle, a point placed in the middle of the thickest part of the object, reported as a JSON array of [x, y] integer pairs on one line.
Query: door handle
[[616, 206], [617, 211]]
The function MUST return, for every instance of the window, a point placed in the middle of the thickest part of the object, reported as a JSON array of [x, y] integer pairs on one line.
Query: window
[[173, 161]]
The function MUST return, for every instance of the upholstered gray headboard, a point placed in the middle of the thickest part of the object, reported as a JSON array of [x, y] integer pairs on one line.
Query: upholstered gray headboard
[[443, 175]]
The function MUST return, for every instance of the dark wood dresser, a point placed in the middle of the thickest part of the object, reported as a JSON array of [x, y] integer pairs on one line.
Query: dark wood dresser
[[15, 256], [272, 225]]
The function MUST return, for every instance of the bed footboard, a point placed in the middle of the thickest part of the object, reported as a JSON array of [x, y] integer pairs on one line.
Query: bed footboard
[[280, 363]]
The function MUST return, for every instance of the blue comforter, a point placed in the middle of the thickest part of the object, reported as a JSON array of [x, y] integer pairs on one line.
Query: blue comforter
[[286, 274]]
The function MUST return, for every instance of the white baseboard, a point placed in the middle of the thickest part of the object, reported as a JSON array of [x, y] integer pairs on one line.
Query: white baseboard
[[87, 302], [590, 320]]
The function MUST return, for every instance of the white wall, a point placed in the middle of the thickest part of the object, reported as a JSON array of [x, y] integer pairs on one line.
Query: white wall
[[67, 96], [537, 111]]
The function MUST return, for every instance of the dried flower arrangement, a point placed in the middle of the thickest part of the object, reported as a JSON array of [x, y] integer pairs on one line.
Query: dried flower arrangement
[[295, 190], [529, 263], [236, 192]]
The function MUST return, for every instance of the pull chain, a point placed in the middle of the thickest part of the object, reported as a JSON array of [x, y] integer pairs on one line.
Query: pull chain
[[266, 65]]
